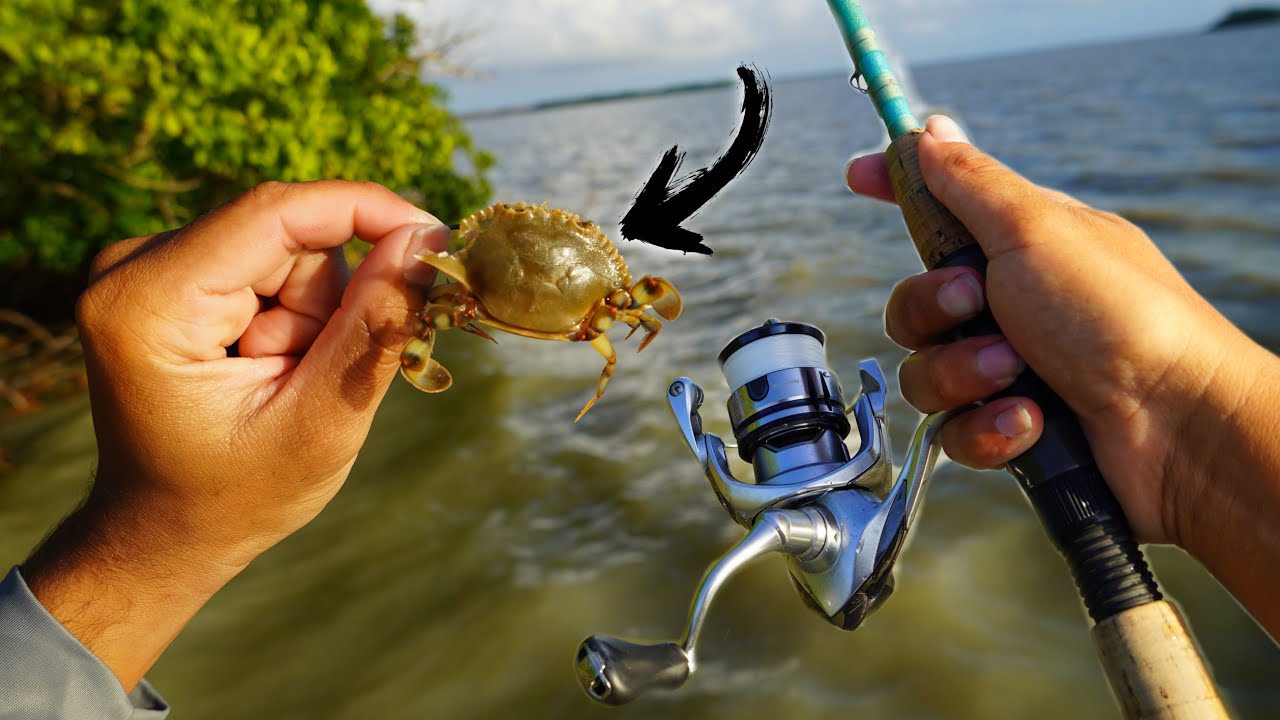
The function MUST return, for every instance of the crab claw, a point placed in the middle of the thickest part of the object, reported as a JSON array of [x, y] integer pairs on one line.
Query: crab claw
[[418, 367], [660, 294]]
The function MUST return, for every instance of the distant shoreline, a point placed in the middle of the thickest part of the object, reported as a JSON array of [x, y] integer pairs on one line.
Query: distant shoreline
[[1236, 19], [595, 98], [1247, 17]]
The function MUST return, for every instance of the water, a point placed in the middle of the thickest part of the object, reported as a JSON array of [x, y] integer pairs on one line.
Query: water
[[481, 536]]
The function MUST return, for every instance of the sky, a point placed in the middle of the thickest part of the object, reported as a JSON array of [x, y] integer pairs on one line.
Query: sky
[[526, 51]]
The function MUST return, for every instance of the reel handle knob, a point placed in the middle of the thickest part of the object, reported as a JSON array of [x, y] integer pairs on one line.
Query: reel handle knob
[[615, 671]]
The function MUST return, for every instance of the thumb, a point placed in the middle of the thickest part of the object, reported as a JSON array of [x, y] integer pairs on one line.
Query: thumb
[[351, 363], [998, 206]]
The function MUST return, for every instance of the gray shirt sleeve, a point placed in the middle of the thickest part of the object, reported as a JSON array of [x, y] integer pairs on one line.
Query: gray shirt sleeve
[[46, 674]]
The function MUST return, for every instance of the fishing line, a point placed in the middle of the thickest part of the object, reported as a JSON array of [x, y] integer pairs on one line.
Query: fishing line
[[770, 354]]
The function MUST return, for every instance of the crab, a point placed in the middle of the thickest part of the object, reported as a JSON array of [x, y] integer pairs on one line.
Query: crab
[[540, 272]]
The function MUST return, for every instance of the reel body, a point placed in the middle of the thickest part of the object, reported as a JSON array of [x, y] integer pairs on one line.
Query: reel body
[[840, 518]]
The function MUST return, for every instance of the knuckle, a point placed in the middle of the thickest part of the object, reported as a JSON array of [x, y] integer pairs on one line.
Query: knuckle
[[961, 444], [929, 382], [944, 383], [90, 311], [373, 187], [892, 311], [388, 332], [112, 255], [95, 303], [1107, 219], [84, 309], [908, 321], [907, 385], [269, 192], [915, 382], [966, 162], [388, 337], [902, 317], [956, 442], [105, 260]]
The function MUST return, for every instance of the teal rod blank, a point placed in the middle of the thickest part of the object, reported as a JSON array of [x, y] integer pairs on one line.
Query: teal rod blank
[[870, 62]]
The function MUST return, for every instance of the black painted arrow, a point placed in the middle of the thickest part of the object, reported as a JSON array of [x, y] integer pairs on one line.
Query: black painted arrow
[[661, 205]]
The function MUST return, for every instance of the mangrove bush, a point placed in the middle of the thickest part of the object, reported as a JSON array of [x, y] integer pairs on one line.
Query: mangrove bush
[[126, 117]]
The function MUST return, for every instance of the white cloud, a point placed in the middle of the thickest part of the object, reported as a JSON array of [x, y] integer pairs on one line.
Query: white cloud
[[556, 32], [530, 49]]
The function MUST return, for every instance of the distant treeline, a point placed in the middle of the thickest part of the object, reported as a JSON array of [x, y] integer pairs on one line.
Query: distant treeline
[[1248, 16], [627, 94], [607, 97]]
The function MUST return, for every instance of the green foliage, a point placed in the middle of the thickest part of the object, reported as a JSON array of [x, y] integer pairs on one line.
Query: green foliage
[[126, 117]]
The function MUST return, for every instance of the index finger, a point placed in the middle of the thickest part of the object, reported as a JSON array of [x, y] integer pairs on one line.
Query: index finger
[[869, 175], [245, 241]]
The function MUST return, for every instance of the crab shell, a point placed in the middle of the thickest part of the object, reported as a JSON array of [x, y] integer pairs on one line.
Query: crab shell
[[539, 268], [539, 272]]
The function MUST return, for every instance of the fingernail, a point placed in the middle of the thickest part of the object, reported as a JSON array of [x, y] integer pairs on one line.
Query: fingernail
[[999, 362], [1014, 422], [961, 297], [945, 129], [426, 240], [848, 167]]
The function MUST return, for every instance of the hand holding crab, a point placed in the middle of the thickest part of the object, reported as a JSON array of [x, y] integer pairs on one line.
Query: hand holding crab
[[539, 272], [234, 370]]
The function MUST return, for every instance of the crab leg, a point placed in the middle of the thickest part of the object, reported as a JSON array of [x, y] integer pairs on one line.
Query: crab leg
[[605, 348], [631, 320], [417, 365], [456, 311], [652, 326]]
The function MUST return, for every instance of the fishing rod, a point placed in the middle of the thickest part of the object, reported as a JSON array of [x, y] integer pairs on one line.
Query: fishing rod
[[1148, 654]]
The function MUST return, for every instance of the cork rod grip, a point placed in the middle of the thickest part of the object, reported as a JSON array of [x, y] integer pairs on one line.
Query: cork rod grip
[[936, 232], [1154, 666]]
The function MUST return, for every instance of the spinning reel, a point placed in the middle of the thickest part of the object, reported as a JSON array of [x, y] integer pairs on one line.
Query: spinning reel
[[840, 520]]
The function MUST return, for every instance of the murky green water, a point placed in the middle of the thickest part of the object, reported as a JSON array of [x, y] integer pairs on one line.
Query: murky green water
[[482, 536]]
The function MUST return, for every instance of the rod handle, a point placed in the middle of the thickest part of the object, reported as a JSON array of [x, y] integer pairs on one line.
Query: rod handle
[[1155, 669], [1058, 473], [1062, 454]]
